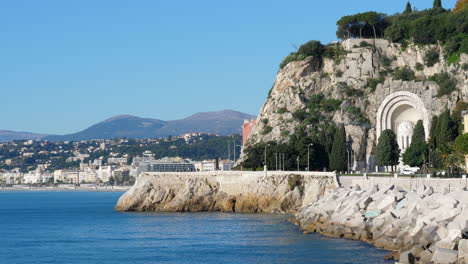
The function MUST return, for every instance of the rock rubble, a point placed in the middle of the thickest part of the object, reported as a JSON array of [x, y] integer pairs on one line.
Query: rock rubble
[[417, 226]]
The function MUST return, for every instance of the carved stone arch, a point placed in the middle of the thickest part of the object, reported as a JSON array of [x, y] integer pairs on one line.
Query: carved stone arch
[[391, 109]]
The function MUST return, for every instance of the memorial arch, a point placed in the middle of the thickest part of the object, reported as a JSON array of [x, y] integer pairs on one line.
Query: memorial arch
[[400, 112]]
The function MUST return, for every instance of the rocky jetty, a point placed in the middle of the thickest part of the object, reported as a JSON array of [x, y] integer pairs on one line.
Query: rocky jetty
[[226, 192], [418, 226]]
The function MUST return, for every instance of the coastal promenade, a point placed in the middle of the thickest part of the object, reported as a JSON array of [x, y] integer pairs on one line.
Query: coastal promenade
[[68, 188]]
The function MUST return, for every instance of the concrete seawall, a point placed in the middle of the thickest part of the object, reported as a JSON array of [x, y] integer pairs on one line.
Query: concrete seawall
[[406, 183], [237, 191]]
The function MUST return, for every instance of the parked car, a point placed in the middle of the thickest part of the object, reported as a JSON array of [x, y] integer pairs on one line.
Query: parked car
[[409, 171]]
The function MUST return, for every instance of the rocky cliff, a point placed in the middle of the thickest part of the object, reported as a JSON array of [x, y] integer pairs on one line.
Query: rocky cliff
[[359, 77], [225, 191]]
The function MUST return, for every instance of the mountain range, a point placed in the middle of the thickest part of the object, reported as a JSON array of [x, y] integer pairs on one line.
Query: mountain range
[[224, 122]]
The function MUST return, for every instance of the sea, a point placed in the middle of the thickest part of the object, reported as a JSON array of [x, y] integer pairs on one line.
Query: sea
[[82, 227]]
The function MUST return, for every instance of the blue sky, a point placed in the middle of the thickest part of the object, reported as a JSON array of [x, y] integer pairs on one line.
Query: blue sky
[[66, 65]]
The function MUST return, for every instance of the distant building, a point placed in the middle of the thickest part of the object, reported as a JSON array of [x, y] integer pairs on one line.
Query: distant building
[[117, 161], [247, 128], [166, 165]]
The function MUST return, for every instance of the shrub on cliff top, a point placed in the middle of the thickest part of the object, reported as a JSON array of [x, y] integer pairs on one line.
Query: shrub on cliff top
[[311, 48], [293, 56]]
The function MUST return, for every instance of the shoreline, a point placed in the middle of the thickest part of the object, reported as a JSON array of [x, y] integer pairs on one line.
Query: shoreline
[[67, 189]]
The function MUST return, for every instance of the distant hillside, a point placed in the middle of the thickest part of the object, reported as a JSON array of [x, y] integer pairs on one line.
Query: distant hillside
[[222, 122], [7, 136], [116, 127]]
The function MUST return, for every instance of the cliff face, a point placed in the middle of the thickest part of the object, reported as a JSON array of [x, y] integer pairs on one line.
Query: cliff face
[[349, 80], [225, 191]]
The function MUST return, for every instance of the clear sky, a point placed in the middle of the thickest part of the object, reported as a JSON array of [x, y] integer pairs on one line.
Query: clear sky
[[66, 65]]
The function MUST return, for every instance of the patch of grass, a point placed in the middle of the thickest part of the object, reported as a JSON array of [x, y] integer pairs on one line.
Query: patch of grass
[[266, 130], [281, 110], [350, 91], [454, 58], [357, 114], [330, 105], [294, 181], [404, 74], [432, 57], [373, 82], [293, 56], [265, 121], [364, 44], [339, 74], [419, 66], [386, 61], [446, 83], [299, 115]]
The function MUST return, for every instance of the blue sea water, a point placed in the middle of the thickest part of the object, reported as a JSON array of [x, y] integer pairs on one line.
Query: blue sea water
[[82, 227]]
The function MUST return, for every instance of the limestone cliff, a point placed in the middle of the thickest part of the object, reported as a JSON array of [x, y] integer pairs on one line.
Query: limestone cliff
[[368, 72], [225, 191]]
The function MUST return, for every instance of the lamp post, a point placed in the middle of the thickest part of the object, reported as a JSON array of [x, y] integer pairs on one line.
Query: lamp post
[[229, 150], [235, 145], [297, 163], [349, 150], [264, 162], [308, 156]]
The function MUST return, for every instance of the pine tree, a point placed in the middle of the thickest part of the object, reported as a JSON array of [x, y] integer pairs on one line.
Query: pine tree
[[437, 4], [408, 9], [338, 157], [388, 152], [445, 131], [418, 152], [433, 132]]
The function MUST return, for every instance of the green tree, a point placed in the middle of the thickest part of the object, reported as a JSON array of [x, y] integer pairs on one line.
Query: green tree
[[408, 9], [437, 4], [418, 152], [388, 152], [461, 143], [444, 131], [338, 156]]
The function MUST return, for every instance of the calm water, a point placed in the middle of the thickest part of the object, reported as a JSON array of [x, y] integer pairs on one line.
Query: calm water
[[81, 227]]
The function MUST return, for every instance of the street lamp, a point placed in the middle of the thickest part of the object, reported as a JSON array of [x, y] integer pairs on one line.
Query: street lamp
[[297, 163], [264, 162], [235, 145], [349, 150], [308, 156]]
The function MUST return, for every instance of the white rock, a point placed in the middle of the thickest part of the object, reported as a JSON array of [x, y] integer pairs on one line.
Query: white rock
[[444, 256]]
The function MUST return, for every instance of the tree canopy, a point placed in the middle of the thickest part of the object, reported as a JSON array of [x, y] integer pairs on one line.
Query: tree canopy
[[460, 5], [338, 157], [418, 152], [388, 152], [367, 24], [461, 143]]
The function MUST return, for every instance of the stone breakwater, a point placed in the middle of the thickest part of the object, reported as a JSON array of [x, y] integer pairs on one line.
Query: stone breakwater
[[418, 226], [246, 192]]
